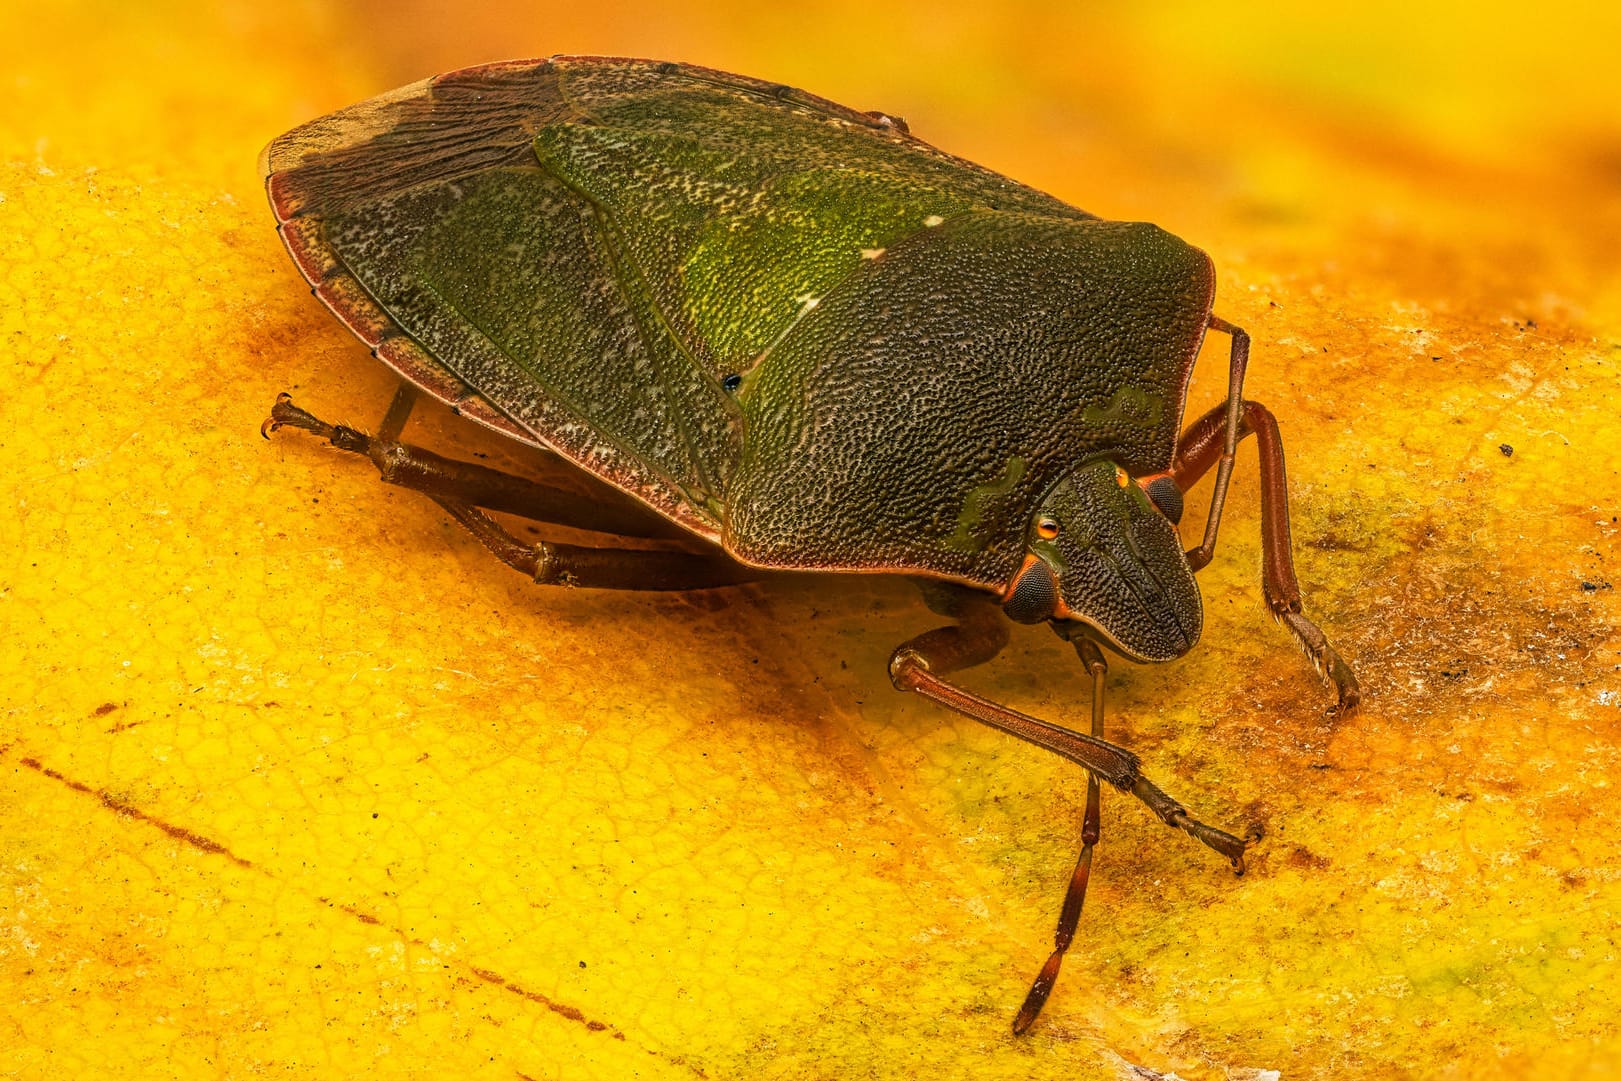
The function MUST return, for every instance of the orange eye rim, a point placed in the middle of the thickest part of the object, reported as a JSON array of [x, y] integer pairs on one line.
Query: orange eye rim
[[1047, 527]]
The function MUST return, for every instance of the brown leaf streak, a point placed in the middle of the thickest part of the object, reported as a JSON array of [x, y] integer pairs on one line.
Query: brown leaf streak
[[118, 806], [573, 1013], [204, 844]]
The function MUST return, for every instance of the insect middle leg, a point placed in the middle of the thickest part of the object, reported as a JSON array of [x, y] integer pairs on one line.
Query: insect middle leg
[[920, 665], [979, 634], [1203, 445], [461, 488]]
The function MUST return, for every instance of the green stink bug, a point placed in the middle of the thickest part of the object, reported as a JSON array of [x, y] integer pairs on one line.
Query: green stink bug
[[805, 340]]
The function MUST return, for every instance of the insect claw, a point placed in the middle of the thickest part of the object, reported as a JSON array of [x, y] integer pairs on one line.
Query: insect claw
[[278, 414], [1330, 666], [1251, 838], [1176, 816]]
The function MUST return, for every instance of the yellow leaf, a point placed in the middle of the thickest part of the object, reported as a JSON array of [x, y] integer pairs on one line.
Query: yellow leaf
[[295, 779]]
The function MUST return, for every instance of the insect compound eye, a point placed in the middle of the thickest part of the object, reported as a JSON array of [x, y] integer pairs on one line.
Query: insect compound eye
[[1046, 527], [1035, 594], [1165, 495]]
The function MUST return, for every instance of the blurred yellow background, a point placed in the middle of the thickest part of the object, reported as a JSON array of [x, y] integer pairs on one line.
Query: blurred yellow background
[[298, 781]]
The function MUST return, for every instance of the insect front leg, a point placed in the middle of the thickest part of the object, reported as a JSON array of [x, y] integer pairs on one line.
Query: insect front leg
[[1229, 412], [981, 631], [1203, 445], [919, 665]]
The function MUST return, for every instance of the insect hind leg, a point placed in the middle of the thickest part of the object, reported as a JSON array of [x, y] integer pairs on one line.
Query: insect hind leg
[[461, 488], [438, 477]]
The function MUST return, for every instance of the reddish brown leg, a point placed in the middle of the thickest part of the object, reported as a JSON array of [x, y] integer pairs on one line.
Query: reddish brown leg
[[1202, 445], [1239, 360], [462, 487], [1169, 811], [1069, 916], [423, 471], [552, 564], [919, 664], [981, 632]]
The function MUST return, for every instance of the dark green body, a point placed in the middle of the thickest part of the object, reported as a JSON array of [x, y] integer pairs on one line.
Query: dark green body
[[808, 338], [581, 252]]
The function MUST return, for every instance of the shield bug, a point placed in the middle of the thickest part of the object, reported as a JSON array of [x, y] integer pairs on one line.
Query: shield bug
[[803, 339]]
